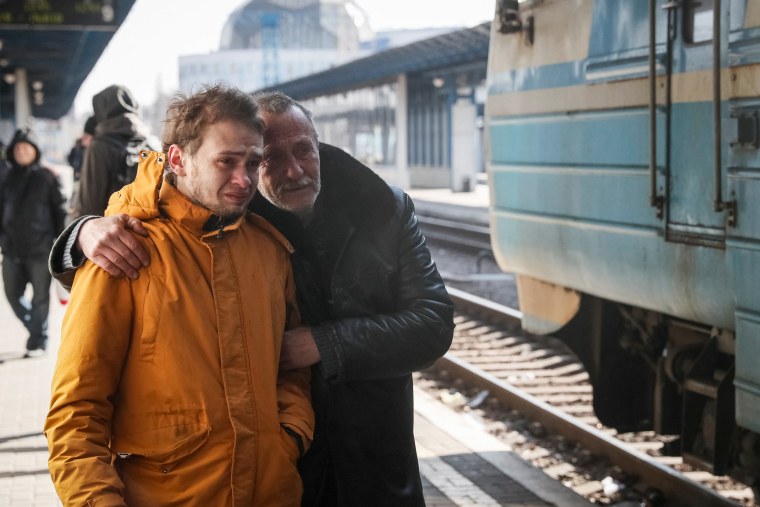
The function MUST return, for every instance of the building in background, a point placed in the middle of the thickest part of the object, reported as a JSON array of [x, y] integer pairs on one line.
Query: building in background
[[265, 42]]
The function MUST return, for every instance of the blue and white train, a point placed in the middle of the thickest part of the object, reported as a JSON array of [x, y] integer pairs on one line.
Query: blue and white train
[[624, 166]]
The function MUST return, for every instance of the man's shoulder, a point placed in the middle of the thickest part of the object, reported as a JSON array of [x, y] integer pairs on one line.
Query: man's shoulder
[[260, 226], [354, 187]]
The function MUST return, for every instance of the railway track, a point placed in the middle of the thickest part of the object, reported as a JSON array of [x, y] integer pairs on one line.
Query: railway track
[[539, 378], [455, 231]]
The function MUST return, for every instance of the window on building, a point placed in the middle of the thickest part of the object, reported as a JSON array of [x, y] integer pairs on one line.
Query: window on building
[[361, 122], [428, 127]]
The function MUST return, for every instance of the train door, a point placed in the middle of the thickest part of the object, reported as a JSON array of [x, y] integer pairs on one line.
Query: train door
[[688, 97]]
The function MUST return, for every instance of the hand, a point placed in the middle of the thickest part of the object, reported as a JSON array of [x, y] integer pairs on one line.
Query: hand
[[109, 243], [298, 349]]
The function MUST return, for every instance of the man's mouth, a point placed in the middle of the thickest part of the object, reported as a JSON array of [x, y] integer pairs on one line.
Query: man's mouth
[[299, 185], [238, 196]]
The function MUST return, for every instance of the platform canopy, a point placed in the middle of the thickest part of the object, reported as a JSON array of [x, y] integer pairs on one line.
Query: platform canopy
[[448, 50], [57, 43]]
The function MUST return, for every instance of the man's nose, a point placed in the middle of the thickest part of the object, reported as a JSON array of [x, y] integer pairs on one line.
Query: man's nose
[[293, 169], [241, 177]]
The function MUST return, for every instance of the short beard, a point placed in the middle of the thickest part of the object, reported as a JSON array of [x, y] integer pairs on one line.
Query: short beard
[[225, 216]]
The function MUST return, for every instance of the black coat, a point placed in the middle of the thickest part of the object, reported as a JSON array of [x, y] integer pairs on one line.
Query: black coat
[[31, 211], [378, 311]]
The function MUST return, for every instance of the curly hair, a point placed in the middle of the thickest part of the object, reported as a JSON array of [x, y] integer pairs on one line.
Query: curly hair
[[188, 117]]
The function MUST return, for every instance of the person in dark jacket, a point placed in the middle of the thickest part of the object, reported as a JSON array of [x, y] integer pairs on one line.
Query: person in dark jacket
[[117, 116], [75, 158], [31, 216], [374, 306]]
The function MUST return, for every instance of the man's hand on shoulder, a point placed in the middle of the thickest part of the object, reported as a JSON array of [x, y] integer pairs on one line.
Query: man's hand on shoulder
[[110, 243], [298, 349]]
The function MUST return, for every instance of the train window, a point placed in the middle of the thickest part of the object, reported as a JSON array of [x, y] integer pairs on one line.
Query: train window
[[698, 21]]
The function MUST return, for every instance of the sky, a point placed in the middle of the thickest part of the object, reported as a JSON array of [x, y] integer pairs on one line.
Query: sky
[[143, 53]]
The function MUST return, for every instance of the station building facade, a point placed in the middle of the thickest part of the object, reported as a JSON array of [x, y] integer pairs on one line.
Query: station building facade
[[412, 113]]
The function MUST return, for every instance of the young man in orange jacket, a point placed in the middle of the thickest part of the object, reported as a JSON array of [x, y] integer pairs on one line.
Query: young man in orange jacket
[[168, 389]]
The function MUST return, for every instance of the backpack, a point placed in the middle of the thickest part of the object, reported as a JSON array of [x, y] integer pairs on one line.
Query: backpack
[[129, 157]]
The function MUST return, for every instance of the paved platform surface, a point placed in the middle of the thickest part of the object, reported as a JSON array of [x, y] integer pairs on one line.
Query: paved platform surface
[[461, 465], [478, 198], [24, 399], [443, 203]]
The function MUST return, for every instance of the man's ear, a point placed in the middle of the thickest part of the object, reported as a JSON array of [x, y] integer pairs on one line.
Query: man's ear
[[176, 162]]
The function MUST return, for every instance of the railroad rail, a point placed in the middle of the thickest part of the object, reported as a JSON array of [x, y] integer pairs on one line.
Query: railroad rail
[[456, 232], [483, 364]]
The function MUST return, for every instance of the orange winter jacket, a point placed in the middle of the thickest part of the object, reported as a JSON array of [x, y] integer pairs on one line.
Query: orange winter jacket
[[167, 389]]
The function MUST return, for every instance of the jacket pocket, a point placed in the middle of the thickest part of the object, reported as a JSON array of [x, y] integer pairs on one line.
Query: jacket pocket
[[151, 318], [289, 445], [169, 446]]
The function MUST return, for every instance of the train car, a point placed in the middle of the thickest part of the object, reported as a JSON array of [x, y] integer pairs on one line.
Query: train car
[[624, 171]]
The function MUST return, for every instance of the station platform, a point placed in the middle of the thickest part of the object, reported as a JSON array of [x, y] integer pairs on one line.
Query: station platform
[[461, 464], [443, 203]]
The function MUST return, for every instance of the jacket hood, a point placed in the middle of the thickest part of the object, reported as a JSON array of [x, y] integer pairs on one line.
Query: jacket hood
[[126, 126], [140, 198], [23, 135], [113, 101]]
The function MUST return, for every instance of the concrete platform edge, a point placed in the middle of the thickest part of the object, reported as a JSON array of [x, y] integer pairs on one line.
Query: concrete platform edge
[[494, 451]]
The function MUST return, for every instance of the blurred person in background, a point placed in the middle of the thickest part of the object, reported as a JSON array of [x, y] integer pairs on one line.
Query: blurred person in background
[[75, 158], [76, 155], [5, 166], [118, 123], [31, 216]]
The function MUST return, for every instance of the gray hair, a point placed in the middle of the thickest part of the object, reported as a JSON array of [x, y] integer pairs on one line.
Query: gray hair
[[276, 103]]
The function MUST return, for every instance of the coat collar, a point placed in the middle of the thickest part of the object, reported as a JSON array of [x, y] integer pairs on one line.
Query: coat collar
[[198, 220]]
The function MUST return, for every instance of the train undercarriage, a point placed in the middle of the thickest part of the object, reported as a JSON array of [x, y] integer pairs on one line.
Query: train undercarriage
[[650, 371]]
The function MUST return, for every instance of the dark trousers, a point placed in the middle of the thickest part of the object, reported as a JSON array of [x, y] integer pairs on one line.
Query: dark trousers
[[17, 274]]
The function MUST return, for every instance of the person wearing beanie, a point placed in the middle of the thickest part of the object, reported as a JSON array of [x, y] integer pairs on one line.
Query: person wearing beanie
[[31, 217], [76, 155], [116, 114], [75, 159]]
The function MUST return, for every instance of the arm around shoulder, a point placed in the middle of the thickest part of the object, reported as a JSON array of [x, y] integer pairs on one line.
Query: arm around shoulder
[[65, 256]]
